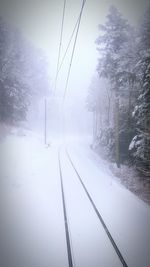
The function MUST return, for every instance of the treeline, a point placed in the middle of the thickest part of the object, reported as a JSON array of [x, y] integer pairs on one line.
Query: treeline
[[120, 97], [23, 74]]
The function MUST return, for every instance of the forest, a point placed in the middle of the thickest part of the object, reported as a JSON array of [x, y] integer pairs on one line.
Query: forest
[[74, 133], [119, 96], [24, 76]]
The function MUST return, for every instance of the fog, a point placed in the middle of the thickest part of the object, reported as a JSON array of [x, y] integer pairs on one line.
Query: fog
[[74, 156], [40, 23]]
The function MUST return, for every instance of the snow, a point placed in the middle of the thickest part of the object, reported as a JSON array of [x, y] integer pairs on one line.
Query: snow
[[31, 213], [133, 142], [127, 217], [135, 110], [90, 243]]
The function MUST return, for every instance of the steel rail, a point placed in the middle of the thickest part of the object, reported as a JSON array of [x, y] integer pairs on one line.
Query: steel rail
[[68, 239], [122, 260]]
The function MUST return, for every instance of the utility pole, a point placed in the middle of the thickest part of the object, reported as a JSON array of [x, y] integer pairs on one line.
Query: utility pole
[[45, 122]]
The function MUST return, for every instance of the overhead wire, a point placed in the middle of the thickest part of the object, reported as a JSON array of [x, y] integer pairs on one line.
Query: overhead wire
[[69, 43], [73, 50], [60, 43], [59, 66], [70, 40]]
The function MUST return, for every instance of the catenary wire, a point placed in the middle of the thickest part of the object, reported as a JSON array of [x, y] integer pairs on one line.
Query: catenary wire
[[66, 51], [72, 55], [71, 37], [60, 43]]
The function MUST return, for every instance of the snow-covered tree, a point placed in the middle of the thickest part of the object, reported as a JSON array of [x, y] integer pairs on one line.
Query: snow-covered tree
[[112, 46], [99, 101], [140, 145], [23, 74]]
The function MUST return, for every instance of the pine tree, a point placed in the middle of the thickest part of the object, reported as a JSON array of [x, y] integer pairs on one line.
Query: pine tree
[[140, 145], [23, 75], [111, 45], [13, 92]]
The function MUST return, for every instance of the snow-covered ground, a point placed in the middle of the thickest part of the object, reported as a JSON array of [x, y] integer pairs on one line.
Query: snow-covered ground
[[31, 215], [127, 217], [31, 212]]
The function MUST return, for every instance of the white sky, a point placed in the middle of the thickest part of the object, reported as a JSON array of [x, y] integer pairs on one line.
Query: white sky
[[41, 22]]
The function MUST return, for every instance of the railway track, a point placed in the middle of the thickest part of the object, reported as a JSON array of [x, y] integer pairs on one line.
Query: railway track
[[68, 239], [99, 216]]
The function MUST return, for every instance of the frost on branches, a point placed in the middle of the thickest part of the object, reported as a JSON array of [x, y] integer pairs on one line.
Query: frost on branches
[[23, 75], [124, 62]]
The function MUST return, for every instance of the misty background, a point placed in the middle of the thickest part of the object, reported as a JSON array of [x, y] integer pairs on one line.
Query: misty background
[[94, 125], [40, 22]]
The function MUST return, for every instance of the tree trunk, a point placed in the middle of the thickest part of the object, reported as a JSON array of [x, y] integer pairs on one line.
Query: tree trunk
[[108, 110], [117, 146], [94, 125], [129, 109]]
